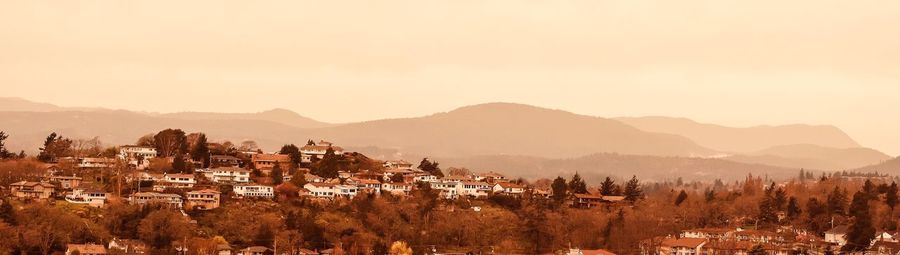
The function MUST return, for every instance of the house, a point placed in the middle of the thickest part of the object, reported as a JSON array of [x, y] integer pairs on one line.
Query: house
[[256, 250], [143, 198], [206, 199], [367, 185], [757, 236], [708, 233], [302, 251], [223, 249], [509, 188], [837, 235], [175, 181], [224, 161], [474, 189], [127, 246], [66, 182], [588, 252], [137, 156], [586, 200], [682, 246], [253, 190], [85, 249], [265, 162], [32, 190], [397, 164], [94, 163], [227, 175], [313, 178], [886, 237], [490, 177], [397, 188], [330, 190], [423, 177], [448, 189], [317, 151], [90, 196], [884, 248]]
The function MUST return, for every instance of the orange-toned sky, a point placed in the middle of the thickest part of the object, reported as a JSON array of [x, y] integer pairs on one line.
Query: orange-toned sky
[[730, 62]]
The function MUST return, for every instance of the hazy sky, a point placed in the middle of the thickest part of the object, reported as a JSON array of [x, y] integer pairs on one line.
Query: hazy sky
[[736, 63]]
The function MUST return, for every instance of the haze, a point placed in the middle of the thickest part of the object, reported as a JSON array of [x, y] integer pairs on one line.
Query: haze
[[739, 63]]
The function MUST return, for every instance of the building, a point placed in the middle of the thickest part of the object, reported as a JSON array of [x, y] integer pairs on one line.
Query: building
[[265, 162], [137, 156], [206, 199], [127, 246], [490, 177], [89, 196], [588, 252], [85, 249], [173, 181], [448, 189], [143, 198], [682, 246], [224, 161], [330, 190], [66, 182], [837, 235], [317, 151], [397, 164], [227, 175], [509, 188], [474, 189], [367, 185], [251, 190], [32, 190], [397, 188], [94, 163], [256, 250], [708, 233]]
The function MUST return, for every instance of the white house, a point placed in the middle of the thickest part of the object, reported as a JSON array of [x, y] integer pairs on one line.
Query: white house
[[91, 197], [330, 190], [177, 181], [397, 188], [509, 188], [368, 185], [247, 190], [227, 175], [137, 156], [317, 151], [142, 198], [448, 189], [91, 163], [202, 199], [837, 235], [474, 189]]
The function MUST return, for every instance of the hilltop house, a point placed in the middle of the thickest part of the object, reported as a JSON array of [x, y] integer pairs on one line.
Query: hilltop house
[[224, 161], [265, 162], [85, 249], [397, 164], [32, 190], [93, 163], [330, 190], [137, 156], [317, 151], [252, 190], [90, 196], [66, 182], [227, 175], [206, 199], [490, 177], [837, 235], [682, 246], [474, 189], [175, 181], [397, 188], [509, 188], [143, 198]]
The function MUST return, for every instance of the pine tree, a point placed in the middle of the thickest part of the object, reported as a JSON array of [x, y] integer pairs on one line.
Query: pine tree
[[836, 202], [4, 153], [767, 208], [869, 190], [7, 212], [680, 198], [293, 151], [607, 188], [431, 167], [861, 231], [200, 152], [298, 179], [577, 185], [710, 195], [793, 209], [780, 199], [633, 190], [179, 164], [277, 174], [890, 197], [559, 188]]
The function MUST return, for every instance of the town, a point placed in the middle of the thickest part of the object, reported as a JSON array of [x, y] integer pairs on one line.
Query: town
[[178, 193]]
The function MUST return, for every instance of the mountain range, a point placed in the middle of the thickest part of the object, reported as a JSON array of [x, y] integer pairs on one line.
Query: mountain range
[[503, 130]]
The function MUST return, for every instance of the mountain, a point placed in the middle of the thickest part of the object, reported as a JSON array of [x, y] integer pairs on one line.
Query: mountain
[[16, 104], [282, 116], [891, 166], [510, 129], [813, 156], [597, 166], [745, 140]]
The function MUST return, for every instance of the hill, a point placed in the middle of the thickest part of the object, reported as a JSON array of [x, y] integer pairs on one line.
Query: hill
[[814, 156], [282, 116], [891, 166], [745, 140]]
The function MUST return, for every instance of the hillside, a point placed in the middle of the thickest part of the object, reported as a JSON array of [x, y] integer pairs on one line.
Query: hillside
[[891, 166], [282, 116], [745, 140], [813, 156], [596, 167]]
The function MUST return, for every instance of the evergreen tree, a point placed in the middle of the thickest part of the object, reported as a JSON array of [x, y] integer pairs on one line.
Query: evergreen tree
[[577, 185], [633, 190], [780, 199], [180, 165], [293, 151], [298, 179], [710, 195], [861, 231], [680, 198], [793, 208], [890, 197], [4, 153], [431, 167], [200, 152], [55, 146], [277, 174], [328, 166], [767, 208], [836, 202], [607, 188], [869, 190], [6, 212], [559, 188]]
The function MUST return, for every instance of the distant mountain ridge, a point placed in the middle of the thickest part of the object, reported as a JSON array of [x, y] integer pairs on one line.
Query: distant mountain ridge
[[813, 156], [745, 140], [277, 115]]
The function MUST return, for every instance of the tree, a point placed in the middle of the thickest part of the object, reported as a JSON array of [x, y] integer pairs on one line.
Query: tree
[[161, 227], [577, 185], [170, 142], [780, 199], [146, 140], [248, 145], [277, 174], [200, 151], [607, 187], [431, 167], [328, 166], [836, 202], [768, 211], [559, 189], [890, 197], [55, 146], [680, 198], [299, 179], [395, 178], [757, 250], [7, 213], [633, 190], [793, 208], [710, 195], [293, 151], [861, 231], [4, 153], [180, 165]]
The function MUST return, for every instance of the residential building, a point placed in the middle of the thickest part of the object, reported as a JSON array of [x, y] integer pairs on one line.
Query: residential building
[[317, 151], [137, 156], [490, 177], [256, 250], [66, 182], [366, 185], [127, 246], [682, 246], [397, 164], [32, 190], [85, 249], [837, 235], [330, 190], [202, 199], [474, 189], [509, 188], [94, 163], [224, 161], [448, 189], [227, 175], [397, 188], [253, 190], [173, 181], [143, 198], [708, 233], [90, 196], [265, 162]]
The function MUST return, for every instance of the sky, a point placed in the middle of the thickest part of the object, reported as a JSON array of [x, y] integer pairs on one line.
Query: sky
[[736, 63]]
